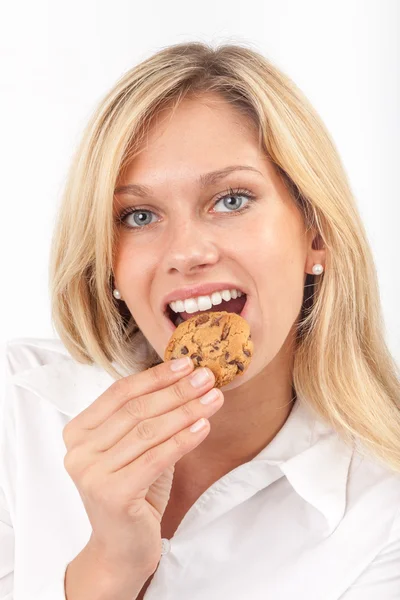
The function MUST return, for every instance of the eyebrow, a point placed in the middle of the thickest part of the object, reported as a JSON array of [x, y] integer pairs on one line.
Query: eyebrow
[[204, 180]]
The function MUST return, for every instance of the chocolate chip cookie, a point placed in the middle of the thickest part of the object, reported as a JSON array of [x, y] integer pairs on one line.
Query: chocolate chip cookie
[[220, 341]]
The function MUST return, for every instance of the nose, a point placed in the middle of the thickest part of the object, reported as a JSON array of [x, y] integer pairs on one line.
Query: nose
[[190, 248]]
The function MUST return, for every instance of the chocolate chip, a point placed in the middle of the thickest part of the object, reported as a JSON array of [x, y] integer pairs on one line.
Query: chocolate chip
[[239, 365], [246, 352], [216, 346], [202, 319], [196, 357], [226, 355], [215, 321], [184, 350], [225, 331]]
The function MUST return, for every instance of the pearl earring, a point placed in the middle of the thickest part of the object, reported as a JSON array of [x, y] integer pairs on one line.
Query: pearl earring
[[117, 294], [317, 269]]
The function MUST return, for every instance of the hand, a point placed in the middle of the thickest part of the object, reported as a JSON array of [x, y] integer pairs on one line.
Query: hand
[[121, 455]]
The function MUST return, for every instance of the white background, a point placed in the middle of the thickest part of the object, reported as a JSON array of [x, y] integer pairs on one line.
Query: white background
[[58, 59]]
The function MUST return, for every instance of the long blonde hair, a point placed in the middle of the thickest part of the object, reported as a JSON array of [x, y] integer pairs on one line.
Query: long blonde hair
[[342, 365]]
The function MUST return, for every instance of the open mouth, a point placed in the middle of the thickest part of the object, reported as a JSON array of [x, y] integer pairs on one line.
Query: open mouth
[[235, 305]]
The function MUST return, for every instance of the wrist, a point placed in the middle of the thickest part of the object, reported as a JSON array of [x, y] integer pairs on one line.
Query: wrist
[[91, 575], [113, 565]]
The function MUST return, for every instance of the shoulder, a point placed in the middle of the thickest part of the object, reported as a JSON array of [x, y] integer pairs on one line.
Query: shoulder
[[27, 353], [381, 577], [27, 362], [373, 494], [42, 370], [367, 470]]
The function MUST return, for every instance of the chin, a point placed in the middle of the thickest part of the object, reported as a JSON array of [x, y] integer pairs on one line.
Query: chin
[[240, 380]]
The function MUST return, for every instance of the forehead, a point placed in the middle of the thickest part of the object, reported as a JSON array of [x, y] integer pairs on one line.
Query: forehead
[[199, 136]]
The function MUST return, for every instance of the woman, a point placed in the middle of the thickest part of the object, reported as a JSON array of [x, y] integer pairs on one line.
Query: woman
[[294, 491]]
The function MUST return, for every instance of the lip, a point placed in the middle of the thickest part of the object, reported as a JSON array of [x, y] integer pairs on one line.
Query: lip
[[243, 314], [194, 291]]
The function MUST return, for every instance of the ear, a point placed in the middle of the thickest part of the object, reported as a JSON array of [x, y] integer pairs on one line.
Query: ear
[[316, 252]]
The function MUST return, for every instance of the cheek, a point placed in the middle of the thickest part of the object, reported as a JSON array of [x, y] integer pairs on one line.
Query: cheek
[[275, 256], [132, 263], [134, 271]]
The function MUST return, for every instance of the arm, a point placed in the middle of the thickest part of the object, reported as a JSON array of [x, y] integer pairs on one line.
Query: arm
[[86, 576], [89, 575], [381, 580], [6, 527], [54, 589]]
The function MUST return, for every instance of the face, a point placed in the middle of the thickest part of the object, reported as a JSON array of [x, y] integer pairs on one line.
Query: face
[[185, 234]]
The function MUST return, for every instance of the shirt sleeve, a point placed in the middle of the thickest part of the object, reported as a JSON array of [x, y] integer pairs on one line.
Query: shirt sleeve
[[53, 590], [6, 526], [54, 587], [381, 579], [6, 552]]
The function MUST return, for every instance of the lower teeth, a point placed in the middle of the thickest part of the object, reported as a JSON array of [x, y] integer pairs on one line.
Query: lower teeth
[[179, 320]]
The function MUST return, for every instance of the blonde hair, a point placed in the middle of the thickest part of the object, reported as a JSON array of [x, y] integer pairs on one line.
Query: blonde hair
[[342, 366]]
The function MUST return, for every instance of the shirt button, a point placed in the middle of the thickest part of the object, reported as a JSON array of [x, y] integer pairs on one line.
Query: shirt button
[[165, 546]]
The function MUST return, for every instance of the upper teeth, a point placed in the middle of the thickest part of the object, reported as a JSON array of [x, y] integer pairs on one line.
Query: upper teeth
[[192, 305]]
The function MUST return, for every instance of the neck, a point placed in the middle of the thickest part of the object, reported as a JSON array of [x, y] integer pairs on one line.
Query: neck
[[250, 418]]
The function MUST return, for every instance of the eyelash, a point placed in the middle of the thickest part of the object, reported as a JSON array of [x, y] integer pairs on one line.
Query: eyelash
[[230, 192]]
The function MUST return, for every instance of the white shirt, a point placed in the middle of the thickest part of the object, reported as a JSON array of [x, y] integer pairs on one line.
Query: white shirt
[[307, 519]]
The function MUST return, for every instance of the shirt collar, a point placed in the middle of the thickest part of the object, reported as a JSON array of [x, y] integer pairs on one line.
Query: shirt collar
[[314, 459], [307, 450]]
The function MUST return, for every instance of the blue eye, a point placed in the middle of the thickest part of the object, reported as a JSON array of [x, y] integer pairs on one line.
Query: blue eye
[[232, 194], [141, 221], [139, 216]]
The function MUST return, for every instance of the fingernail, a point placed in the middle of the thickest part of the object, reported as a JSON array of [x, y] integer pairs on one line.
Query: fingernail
[[200, 424], [210, 397], [180, 364], [199, 378]]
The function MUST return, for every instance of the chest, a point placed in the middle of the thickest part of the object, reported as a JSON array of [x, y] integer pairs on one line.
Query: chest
[[273, 544]]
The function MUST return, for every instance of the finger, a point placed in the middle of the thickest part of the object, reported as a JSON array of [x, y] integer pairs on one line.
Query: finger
[[149, 466], [126, 388], [153, 432], [149, 406]]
